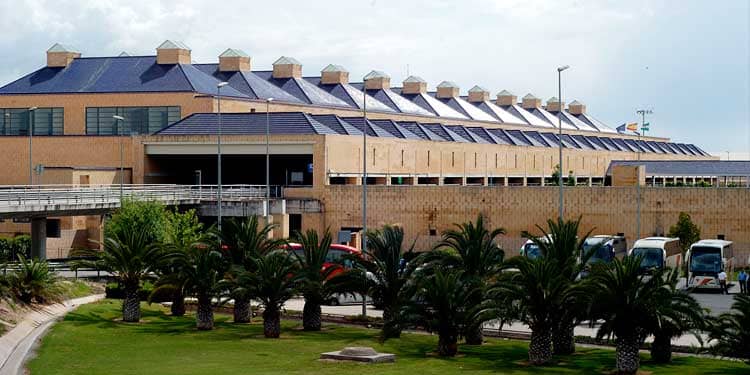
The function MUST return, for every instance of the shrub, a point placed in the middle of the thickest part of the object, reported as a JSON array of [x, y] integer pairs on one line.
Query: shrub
[[34, 282], [10, 247], [116, 291]]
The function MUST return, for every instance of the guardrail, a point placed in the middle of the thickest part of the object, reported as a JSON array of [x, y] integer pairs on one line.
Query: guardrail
[[40, 195]]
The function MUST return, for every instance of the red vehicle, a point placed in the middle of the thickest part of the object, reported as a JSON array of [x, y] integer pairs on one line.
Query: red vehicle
[[336, 255]]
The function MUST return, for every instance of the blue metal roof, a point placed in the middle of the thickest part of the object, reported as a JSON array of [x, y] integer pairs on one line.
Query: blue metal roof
[[337, 124], [734, 168], [464, 133], [421, 131], [503, 135], [304, 90], [535, 136], [247, 124], [248, 83], [395, 129], [353, 96], [373, 130]]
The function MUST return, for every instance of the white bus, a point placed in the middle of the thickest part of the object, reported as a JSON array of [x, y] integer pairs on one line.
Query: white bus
[[657, 252], [706, 258]]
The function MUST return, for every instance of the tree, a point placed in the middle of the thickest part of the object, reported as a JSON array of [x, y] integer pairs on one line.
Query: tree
[[476, 253], [138, 216], [561, 245], [687, 232], [626, 301], [273, 282], [534, 288], [676, 313], [381, 270], [315, 275], [570, 181], [729, 333], [33, 281], [245, 239], [131, 256], [441, 303], [200, 271], [182, 231]]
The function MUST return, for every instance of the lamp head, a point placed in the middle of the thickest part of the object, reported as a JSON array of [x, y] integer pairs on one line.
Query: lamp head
[[33, 108], [564, 67], [269, 100], [222, 84], [118, 118]]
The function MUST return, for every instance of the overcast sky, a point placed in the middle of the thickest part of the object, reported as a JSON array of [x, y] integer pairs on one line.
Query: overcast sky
[[686, 60]]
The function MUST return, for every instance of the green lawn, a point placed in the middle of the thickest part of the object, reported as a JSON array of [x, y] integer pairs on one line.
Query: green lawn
[[91, 341]]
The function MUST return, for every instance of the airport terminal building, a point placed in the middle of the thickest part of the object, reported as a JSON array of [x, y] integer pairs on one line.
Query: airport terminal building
[[158, 117]]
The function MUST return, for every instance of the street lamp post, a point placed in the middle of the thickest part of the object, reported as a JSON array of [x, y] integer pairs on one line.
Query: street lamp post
[[364, 191], [559, 143], [643, 113], [119, 120], [32, 111], [268, 160], [218, 154]]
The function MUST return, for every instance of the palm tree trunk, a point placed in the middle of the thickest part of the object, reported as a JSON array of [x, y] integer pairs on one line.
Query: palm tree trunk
[[540, 347], [661, 348], [626, 352], [242, 311], [474, 335], [447, 343], [311, 316], [271, 322], [131, 305], [563, 339], [391, 323], [204, 317], [178, 304]]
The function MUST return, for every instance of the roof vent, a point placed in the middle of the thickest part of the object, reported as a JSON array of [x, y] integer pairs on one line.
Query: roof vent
[[478, 94], [414, 85], [530, 102], [287, 67], [554, 104], [377, 80], [505, 97], [576, 108], [234, 60], [172, 52], [124, 54], [60, 56], [447, 89], [334, 74]]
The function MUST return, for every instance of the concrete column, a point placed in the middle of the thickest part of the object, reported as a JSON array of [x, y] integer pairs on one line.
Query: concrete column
[[281, 230], [39, 238]]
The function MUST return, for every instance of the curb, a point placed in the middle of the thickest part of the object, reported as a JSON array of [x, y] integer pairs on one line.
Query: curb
[[16, 344]]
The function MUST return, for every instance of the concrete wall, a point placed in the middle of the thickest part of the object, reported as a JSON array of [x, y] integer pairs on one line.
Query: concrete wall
[[609, 210]]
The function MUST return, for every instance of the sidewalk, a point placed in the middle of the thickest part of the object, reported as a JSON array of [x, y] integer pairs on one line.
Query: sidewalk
[[16, 344]]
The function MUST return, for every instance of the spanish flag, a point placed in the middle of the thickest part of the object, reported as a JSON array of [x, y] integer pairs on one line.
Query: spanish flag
[[633, 126]]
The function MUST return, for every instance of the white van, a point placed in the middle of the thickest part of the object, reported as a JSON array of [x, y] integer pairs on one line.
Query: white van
[[531, 250], [706, 258], [609, 247], [657, 252]]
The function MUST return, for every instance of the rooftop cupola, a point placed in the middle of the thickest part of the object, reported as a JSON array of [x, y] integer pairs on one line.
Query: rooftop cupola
[[334, 74], [530, 102], [234, 60], [576, 108], [478, 94], [505, 97], [287, 67], [414, 85], [60, 56], [554, 104], [172, 52], [377, 80], [447, 89]]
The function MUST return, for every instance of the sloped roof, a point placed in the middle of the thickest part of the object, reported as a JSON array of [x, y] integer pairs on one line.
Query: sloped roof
[[57, 47], [350, 94], [286, 60], [232, 52], [173, 44], [736, 168], [247, 124], [334, 68]]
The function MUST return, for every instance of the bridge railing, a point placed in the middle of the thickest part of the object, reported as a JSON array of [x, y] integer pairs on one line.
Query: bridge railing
[[40, 195]]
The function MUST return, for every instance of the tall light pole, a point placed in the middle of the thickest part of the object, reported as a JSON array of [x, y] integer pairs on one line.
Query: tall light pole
[[268, 160], [119, 120], [559, 143], [643, 113], [364, 192], [218, 154], [32, 111]]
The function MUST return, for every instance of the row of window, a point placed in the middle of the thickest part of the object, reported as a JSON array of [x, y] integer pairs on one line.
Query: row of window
[[99, 120]]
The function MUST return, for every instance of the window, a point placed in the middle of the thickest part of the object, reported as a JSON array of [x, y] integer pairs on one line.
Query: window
[[47, 121], [138, 120], [453, 159], [428, 158], [402, 158]]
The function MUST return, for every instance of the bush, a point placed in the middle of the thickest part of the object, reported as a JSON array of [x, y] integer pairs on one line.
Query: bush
[[10, 247], [115, 291], [34, 282]]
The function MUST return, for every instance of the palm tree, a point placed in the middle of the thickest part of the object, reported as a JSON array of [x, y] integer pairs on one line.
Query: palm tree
[[273, 282], [33, 281], [476, 253], [626, 301], [560, 243], [533, 288], [200, 273], [130, 256], [441, 303], [729, 333], [315, 275], [245, 239], [182, 231], [677, 312], [381, 270]]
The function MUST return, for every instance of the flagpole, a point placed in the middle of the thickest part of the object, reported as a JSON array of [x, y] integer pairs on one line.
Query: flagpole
[[643, 113]]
